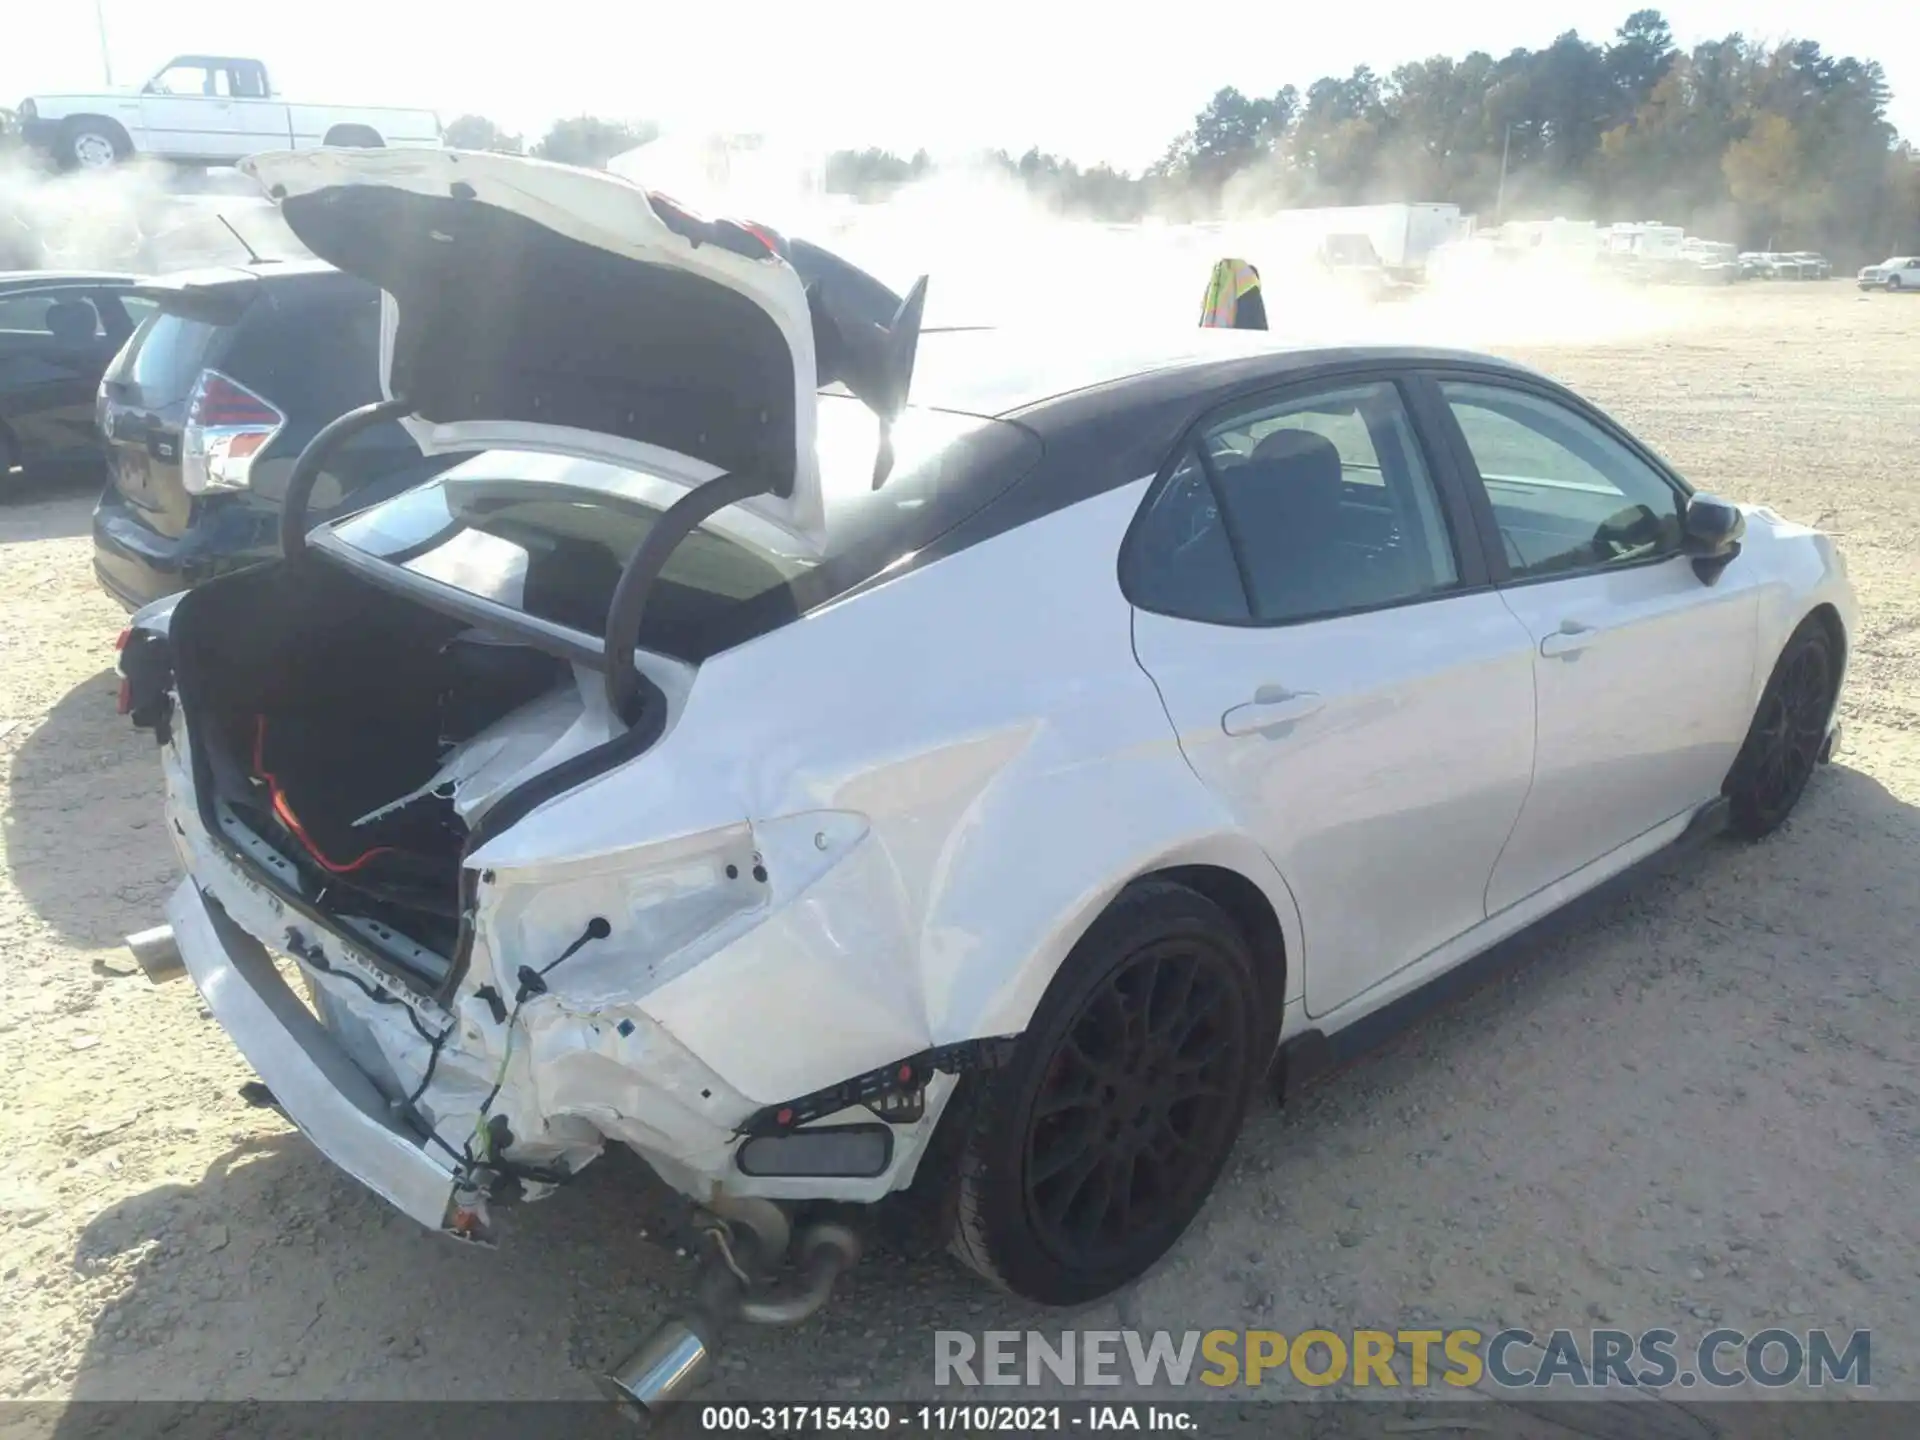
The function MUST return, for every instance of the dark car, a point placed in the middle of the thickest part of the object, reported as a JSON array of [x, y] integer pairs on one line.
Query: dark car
[[210, 403], [58, 332]]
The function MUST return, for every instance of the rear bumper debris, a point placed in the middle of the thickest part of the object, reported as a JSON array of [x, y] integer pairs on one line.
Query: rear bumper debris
[[311, 1078]]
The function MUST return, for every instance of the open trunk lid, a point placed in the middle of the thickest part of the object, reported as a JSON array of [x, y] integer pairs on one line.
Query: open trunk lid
[[533, 306]]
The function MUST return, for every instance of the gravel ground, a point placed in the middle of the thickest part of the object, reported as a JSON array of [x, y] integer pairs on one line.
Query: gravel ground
[[1698, 1108]]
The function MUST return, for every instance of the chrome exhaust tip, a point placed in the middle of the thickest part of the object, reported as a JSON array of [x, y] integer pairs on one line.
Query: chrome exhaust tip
[[670, 1366], [157, 954]]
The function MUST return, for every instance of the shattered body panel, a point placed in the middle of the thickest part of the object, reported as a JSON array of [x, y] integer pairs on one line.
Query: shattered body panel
[[772, 929]]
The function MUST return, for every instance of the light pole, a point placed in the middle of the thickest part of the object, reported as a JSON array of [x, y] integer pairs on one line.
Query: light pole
[[100, 21], [1500, 196]]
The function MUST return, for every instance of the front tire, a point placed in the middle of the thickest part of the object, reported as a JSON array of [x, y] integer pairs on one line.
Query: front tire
[[1089, 1154], [1788, 733], [92, 145], [1893, 282]]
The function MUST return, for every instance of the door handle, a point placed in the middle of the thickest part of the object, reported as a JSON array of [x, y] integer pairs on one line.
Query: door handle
[[1570, 639], [1271, 705]]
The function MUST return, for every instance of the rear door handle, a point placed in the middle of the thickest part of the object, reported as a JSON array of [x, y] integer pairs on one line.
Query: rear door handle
[[1271, 705], [1571, 638]]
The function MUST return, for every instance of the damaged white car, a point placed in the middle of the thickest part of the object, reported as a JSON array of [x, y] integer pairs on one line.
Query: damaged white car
[[791, 738]]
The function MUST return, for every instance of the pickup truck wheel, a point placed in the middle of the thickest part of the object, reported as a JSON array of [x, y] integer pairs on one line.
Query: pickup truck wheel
[[1088, 1155], [354, 137], [92, 145]]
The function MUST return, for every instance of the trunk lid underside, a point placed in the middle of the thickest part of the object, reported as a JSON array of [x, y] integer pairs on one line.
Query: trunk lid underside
[[539, 307]]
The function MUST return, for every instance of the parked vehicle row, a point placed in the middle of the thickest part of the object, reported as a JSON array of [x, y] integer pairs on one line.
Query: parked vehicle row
[[1795, 265], [1130, 679]]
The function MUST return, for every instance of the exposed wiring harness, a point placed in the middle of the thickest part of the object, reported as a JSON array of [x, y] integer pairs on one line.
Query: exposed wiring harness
[[532, 982], [311, 954]]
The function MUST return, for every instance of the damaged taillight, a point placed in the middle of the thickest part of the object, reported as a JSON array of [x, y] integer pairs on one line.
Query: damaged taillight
[[227, 425]]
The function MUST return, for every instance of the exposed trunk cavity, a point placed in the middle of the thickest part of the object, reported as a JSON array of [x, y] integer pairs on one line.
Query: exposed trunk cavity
[[347, 740]]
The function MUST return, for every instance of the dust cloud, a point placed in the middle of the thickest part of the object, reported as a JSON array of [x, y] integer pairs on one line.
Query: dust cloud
[[994, 255], [138, 218]]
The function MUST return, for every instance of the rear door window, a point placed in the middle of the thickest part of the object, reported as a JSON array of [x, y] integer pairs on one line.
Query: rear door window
[[1322, 504]]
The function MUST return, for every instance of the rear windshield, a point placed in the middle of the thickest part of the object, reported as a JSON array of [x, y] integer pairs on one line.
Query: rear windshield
[[549, 537], [165, 357]]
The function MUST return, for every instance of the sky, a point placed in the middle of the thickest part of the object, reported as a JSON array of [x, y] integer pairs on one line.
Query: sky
[[1112, 83]]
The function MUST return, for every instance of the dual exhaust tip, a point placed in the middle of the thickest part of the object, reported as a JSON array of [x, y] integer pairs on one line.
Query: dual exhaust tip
[[672, 1364], [678, 1358], [157, 954]]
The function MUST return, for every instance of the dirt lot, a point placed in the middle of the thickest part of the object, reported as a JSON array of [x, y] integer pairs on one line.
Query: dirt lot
[[1701, 1108]]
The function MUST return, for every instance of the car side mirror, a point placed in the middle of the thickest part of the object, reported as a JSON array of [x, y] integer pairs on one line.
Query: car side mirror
[[1710, 533]]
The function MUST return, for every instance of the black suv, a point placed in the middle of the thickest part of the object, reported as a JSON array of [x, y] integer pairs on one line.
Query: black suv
[[211, 401]]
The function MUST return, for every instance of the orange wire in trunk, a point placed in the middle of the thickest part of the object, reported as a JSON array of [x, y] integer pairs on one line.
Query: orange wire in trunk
[[284, 812]]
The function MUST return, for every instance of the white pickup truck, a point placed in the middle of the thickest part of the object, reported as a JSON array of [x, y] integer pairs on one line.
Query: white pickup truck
[[206, 110]]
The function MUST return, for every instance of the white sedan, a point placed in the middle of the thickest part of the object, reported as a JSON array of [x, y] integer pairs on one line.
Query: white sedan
[[812, 764]]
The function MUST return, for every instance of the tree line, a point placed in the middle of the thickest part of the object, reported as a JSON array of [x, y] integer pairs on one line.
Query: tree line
[[1770, 146]]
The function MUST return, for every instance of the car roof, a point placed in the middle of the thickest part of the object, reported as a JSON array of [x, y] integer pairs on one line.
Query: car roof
[[1015, 372], [1110, 411], [47, 279]]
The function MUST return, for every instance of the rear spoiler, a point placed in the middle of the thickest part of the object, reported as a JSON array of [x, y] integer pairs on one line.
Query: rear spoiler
[[875, 364], [217, 297]]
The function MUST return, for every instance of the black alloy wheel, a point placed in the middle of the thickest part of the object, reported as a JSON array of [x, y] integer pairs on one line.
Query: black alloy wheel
[[1088, 1155], [1139, 1094], [1788, 734]]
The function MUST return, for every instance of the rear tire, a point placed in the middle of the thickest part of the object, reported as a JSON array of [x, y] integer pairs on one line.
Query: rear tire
[[354, 137], [1788, 734], [1086, 1158]]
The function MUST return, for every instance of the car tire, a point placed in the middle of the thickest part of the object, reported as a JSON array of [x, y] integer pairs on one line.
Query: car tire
[[92, 145], [1124, 1097], [1893, 282], [1788, 734]]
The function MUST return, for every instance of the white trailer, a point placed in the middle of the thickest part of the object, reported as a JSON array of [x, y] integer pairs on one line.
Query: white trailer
[[1559, 237], [1647, 240]]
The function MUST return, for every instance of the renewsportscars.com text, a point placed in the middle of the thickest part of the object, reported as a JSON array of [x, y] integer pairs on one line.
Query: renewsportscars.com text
[[1391, 1359]]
